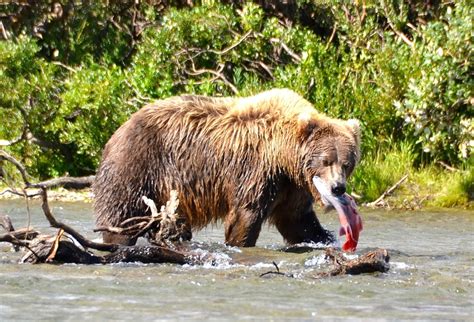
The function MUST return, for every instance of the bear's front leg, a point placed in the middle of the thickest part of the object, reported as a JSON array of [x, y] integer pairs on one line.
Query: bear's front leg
[[302, 227], [242, 227]]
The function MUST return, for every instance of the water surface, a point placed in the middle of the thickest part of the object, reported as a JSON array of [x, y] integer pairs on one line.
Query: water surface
[[431, 276]]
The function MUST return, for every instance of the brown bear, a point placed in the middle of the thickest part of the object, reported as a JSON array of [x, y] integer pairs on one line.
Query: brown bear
[[244, 160]]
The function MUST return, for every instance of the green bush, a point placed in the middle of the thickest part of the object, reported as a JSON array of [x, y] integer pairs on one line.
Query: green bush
[[69, 78], [438, 106]]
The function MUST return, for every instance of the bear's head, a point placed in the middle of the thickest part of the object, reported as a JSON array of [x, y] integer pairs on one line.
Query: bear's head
[[331, 150]]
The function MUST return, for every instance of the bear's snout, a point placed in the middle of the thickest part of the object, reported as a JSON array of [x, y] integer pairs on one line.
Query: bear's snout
[[338, 189]]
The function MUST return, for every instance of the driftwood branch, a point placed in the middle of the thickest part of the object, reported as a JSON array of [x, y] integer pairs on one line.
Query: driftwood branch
[[161, 227], [66, 182], [388, 192], [81, 239], [18, 238], [69, 246]]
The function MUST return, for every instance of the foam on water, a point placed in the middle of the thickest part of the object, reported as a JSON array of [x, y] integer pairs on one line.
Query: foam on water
[[317, 260]]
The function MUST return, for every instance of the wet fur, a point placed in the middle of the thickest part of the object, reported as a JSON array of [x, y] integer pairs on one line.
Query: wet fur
[[243, 160]]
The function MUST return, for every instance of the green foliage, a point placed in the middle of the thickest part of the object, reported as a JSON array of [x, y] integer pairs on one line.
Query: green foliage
[[72, 72], [437, 106], [93, 105], [65, 116]]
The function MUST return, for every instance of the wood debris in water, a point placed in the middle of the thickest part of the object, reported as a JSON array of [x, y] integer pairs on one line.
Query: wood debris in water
[[370, 262], [69, 246]]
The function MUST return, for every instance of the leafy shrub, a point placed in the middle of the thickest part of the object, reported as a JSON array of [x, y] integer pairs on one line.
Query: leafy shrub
[[69, 79], [438, 106]]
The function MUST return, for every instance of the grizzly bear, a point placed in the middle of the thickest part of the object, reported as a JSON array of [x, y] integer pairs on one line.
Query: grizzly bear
[[243, 160]]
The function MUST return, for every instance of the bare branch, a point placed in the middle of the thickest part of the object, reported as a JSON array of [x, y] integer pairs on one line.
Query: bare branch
[[11, 142], [69, 68], [399, 33], [387, 192], [68, 182], [218, 73], [24, 175], [333, 33], [226, 50], [447, 166], [9, 238], [287, 49]]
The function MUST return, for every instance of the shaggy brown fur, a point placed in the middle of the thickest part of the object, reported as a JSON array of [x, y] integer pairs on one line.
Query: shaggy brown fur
[[244, 160]]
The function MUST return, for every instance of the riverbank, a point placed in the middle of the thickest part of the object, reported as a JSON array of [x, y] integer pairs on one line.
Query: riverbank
[[407, 196], [58, 194]]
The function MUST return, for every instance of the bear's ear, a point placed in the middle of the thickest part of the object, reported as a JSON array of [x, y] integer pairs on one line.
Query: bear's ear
[[354, 127], [306, 125]]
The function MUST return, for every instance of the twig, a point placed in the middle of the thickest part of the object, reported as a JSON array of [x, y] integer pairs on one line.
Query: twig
[[275, 273], [387, 192], [399, 33], [139, 97], [197, 72], [22, 194], [447, 166], [86, 243], [333, 33], [224, 51], [54, 248], [287, 49], [58, 63]]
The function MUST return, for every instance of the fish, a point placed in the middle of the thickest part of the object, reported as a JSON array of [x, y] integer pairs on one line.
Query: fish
[[349, 217]]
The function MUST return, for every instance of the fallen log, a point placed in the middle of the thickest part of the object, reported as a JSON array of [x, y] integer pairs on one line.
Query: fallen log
[[68, 252]]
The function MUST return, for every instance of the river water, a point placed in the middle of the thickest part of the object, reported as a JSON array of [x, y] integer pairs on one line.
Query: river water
[[431, 276]]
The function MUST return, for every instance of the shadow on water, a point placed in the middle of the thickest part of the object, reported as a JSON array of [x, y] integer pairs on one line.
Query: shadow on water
[[431, 275]]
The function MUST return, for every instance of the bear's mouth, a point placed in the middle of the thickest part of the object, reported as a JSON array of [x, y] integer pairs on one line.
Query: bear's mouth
[[351, 222]]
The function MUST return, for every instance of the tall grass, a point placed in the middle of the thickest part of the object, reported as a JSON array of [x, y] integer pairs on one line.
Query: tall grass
[[380, 170], [431, 185]]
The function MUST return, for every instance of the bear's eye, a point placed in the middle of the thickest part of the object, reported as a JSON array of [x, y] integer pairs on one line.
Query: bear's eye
[[346, 167], [326, 163]]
